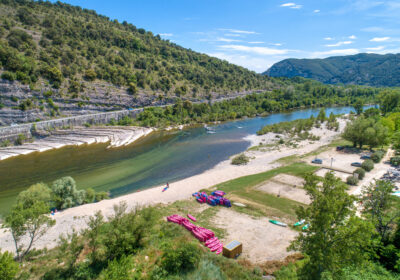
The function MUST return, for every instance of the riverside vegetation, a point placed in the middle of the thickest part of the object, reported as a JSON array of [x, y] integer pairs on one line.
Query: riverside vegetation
[[139, 244]]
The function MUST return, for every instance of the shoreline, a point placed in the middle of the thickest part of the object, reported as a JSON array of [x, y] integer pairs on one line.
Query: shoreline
[[116, 136], [75, 218]]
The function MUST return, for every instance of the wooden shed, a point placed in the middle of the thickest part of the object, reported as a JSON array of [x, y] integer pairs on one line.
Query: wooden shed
[[233, 249]]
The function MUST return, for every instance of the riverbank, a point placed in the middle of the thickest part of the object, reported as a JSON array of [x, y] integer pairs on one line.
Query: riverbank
[[261, 160], [116, 136]]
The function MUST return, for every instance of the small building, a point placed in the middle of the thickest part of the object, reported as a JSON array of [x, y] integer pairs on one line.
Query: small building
[[233, 249]]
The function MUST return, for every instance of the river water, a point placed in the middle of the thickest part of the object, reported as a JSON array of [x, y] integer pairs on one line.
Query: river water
[[161, 157]]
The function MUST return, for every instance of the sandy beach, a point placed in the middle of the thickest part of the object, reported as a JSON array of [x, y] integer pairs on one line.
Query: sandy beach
[[75, 218], [261, 160]]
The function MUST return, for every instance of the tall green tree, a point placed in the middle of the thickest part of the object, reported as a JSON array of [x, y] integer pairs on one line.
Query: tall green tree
[[65, 193], [358, 106], [381, 207], [336, 237], [30, 222], [35, 193]]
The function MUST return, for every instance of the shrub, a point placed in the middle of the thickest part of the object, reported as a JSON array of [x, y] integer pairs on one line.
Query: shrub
[[351, 180], [8, 267], [5, 143], [9, 76], [183, 258], [120, 269], [20, 139], [101, 196], [368, 165], [377, 156], [89, 195], [360, 172], [65, 194], [35, 193], [241, 159], [126, 233], [395, 161]]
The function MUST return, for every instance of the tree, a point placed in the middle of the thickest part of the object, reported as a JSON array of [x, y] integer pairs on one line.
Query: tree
[[358, 106], [35, 193], [321, 115], [28, 222], [8, 268], [336, 237], [389, 101], [381, 207], [65, 193], [363, 131]]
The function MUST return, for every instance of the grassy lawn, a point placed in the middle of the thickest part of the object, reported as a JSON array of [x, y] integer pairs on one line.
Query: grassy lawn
[[261, 203]]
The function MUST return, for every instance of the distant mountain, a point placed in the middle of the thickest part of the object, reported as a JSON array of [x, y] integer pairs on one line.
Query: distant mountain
[[359, 69]]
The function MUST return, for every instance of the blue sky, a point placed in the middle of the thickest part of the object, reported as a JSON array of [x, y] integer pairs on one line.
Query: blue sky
[[257, 33]]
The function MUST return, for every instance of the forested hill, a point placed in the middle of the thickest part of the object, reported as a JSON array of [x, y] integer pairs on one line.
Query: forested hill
[[65, 45], [359, 69]]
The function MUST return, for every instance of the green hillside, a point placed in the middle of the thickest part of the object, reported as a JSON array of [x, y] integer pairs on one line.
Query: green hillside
[[360, 69], [64, 45]]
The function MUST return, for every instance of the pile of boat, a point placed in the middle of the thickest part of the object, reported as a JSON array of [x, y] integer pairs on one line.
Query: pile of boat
[[202, 234], [299, 223], [216, 198]]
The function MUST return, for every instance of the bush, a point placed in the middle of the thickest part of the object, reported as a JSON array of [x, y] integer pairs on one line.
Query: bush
[[351, 180], [377, 156], [89, 195], [8, 267], [20, 139], [35, 193], [368, 165], [101, 196], [183, 258], [360, 172], [120, 269], [65, 193], [241, 159], [9, 76], [395, 161]]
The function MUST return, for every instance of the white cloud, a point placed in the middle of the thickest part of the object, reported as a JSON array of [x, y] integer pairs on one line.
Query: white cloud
[[166, 34], [227, 40], [334, 52], [256, 42], [232, 35], [379, 39], [291, 5], [238, 31], [375, 49], [328, 38], [258, 64], [352, 37], [316, 11], [373, 29], [276, 44], [254, 50], [338, 44]]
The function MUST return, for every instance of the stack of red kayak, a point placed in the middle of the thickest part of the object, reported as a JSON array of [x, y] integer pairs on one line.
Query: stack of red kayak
[[202, 234]]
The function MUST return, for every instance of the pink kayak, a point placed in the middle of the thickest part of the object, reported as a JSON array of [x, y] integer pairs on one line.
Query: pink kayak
[[218, 251], [191, 217], [216, 247], [216, 242], [211, 240]]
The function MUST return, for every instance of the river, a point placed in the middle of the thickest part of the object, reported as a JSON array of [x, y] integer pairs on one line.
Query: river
[[161, 157]]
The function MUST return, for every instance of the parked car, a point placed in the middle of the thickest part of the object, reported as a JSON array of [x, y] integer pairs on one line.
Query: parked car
[[356, 164], [317, 161], [365, 157], [339, 148]]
